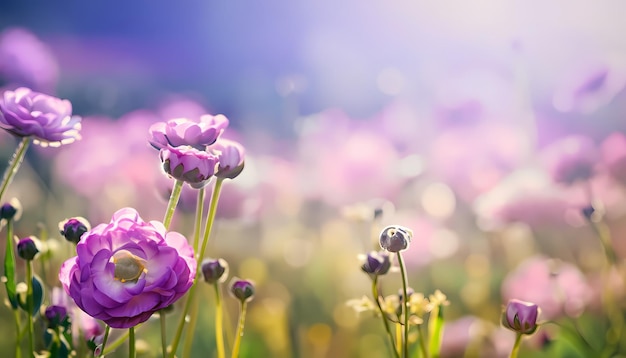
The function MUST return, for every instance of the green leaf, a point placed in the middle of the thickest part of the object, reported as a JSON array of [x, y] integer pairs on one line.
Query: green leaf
[[37, 297], [9, 267]]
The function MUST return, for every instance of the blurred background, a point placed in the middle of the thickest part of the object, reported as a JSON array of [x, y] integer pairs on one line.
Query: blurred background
[[468, 122]]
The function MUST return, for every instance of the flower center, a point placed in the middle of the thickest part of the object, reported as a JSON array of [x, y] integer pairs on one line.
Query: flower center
[[128, 267]]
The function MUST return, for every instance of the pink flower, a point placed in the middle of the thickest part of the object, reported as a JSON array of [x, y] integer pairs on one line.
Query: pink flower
[[613, 151], [183, 131], [193, 166], [559, 288], [571, 159]]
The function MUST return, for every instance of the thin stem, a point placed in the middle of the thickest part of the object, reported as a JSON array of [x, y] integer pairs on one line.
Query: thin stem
[[30, 305], [163, 332], [376, 295], [14, 164], [131, 342], [399, 338], [219, 329], [515, 350], [215, 197], [190, 295], [240, 325], [18, 336], [405, 304], [193, 318], [118, 342], [198, 222], [171, 205], [107, 330]]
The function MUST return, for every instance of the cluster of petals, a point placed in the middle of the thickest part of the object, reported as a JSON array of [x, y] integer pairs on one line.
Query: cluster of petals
[[49, 120], [193, 152], [128, 269]]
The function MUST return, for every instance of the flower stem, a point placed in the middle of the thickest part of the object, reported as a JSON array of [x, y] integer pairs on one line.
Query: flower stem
[[30, 305], [422, 342], [18, 336], [405, 306], [171, 205], [240, 325], [193, 318], [14, 164], [376, 295], [198, 222], [219, 329], [190, 295], [435, 330], [163, 332], [131, 342], [215, 197], [107, 329], [515, 350], [118, 342]]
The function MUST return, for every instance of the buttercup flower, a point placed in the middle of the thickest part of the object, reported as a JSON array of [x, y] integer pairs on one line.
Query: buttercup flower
[[395, 238], [520, 316], [72, 229], [376, 263], [243, 290], [55, 315], [193, 166], [182, 131], [231, 158], [47, 119], [128, 269]]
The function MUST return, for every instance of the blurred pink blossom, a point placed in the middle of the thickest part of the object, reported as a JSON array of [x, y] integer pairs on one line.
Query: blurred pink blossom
[[571, 159], [613, 150], [558, 288]]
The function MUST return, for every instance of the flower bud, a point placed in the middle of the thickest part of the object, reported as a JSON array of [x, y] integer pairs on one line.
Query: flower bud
[[11, 210], [520, 316], [231, 158], [72, 229], [55, 315], [395, 238], [214, 270], [27, 248], [193, 166], [376, 263], [243, 290]]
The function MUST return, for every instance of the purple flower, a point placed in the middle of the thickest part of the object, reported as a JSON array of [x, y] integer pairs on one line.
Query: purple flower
[[182, 131], [214, 270], [128, 269], [521, 316], [376, 263], [243, 290], [26, 61], [395, 238], [11, 210], [55, 315], [27, 248], [72, 229], [193, 166], [231, 158], [48, 119]]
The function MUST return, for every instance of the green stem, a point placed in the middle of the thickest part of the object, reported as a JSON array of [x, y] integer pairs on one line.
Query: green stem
[[131, 343], [107, 329], [215, 197], [14, 164], [193, 318], [240, 325], [18, 336], [198, 222], [515, 350], [118, 342], [171, 205], [30, 305], [163, 332], [376, 295], [207, 232], [219, 329], [405, 304]]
